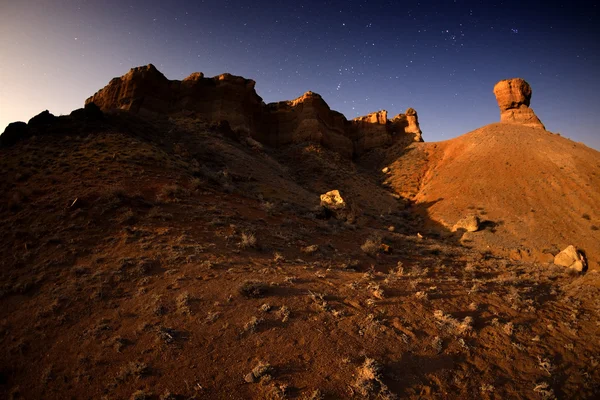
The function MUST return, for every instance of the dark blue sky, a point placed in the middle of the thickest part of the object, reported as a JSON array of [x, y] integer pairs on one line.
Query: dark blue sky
[[440, 57]]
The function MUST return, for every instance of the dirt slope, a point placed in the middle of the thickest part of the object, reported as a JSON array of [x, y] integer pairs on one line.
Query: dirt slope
[[535, 191], [171, 259]]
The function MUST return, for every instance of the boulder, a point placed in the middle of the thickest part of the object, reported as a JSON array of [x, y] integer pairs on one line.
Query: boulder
[[334, 203], [470, 224], [571, 258], [513, 97]]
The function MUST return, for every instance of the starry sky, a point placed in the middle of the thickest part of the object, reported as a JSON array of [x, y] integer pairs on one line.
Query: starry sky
[[440, 57]]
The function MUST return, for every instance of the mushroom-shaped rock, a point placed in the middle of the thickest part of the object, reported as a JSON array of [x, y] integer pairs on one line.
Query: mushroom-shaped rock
[[513, 97], [571, 258], [413, 124]]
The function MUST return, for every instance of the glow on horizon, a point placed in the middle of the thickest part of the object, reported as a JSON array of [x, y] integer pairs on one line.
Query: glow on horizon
[[57, 55]]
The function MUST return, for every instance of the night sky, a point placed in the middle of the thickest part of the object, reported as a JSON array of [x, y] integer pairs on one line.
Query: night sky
[[440, 57]]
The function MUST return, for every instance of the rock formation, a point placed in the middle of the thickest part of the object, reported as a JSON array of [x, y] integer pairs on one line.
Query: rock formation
[[513, 97], [307, 118], [144, 90]]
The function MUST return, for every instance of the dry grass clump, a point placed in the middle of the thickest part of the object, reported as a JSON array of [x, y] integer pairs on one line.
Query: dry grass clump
[[133, 369], [283, 313], [437, 344], [376, 291], [253, 289], [545, 391], [260, 371], [251, 325], [452, 324], [141, 395], [248, 240], [172, 192], [315, 395], [183, 303], [369, 381], [371, 246], [319, 300]]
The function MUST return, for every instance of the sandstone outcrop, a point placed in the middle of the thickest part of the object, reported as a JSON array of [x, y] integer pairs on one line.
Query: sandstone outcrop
[[513, 97], [571, 258], [144, 90], [307, 118]]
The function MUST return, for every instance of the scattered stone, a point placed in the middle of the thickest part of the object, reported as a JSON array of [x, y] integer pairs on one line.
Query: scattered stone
[[571, 258], [386, 170], [470, 223], [384, 248], [313, 248], [391, 228]]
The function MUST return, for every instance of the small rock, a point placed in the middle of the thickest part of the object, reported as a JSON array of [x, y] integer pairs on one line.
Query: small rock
[[470, 223], [391, 228], [313, 248], [571, 258], [384, 248], [386, 170]]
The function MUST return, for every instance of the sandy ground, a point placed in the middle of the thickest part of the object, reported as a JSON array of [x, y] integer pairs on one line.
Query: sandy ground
[[171, 261]]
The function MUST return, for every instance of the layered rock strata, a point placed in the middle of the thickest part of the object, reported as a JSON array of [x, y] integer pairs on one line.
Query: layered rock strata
[[145, 90]]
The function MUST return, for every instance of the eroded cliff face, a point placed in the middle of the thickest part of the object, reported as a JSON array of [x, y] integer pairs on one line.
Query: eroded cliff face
[[144, 90], [513, 97]]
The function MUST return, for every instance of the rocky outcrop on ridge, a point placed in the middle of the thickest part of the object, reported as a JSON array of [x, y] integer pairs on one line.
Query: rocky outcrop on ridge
[[513, 97], [145, 90]]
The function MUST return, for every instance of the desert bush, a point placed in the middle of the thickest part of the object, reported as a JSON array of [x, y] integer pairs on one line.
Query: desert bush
[[371, 246], [283, 313], [247, 240], [141, 395], [251, 325], [369, 381], [172, 191], [253, 289], [262, 369]]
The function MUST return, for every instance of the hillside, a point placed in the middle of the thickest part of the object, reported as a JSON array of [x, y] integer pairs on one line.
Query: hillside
[[535, 192], [173, 255]]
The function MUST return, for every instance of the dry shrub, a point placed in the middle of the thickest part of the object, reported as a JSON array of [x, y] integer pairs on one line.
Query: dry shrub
[[262, 369], [369, 381], [371, 246], [248, 240], [253, 289]]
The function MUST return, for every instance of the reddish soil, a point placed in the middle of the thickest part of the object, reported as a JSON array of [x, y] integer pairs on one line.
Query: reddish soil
[[129, 270], [536, 192]]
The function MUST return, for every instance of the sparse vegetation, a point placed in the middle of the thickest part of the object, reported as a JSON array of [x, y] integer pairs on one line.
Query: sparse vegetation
[[253, 289], [371, 246], [248, 240]]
